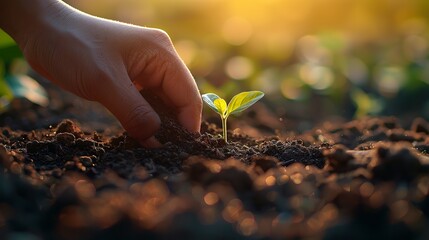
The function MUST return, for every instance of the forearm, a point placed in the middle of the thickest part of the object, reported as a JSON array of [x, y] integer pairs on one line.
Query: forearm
[[22, 19]]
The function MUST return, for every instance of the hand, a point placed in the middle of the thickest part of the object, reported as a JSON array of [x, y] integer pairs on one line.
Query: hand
[[109, 62]]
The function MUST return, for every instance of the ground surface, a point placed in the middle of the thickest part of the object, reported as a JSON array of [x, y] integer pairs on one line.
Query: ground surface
[[365, 179]]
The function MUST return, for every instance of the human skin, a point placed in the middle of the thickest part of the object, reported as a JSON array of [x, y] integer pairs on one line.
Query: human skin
[[105, 61]]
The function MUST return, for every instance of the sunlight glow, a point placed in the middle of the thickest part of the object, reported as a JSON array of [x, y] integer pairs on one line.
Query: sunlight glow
[[239, 68], [291, 88], [311, 51], [187, 50], [318, 77], [236, 31], [389, 80], [356, 71], [416, 47]]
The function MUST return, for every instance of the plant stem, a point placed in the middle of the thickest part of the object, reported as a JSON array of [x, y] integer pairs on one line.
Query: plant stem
[[225, 133]]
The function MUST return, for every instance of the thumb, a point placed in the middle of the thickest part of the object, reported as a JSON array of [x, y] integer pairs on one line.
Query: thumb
[[133, 112]]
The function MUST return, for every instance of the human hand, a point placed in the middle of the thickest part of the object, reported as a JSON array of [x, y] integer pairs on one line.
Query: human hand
[[109, 62]]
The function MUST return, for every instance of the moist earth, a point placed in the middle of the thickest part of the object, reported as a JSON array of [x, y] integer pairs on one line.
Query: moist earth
[[364, 179]]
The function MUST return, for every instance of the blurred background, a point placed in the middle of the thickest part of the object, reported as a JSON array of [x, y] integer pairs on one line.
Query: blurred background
[[315, 60]]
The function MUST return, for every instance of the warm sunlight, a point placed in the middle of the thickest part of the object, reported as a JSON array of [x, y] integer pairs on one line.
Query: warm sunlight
[[280, 45]]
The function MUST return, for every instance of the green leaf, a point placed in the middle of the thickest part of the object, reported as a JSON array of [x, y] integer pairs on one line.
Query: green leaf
[[26, 87], [221, 106], [238, 103], [5, 39], [210, 99], [242, 101]]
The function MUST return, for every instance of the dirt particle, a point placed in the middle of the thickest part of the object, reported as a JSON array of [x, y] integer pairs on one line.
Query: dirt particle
[[339, 160], [86, 161], [34, 146], [68, 126], [48, 158], [65, 138], [420, 125], [396, 162], [237, 178], [264, 163]]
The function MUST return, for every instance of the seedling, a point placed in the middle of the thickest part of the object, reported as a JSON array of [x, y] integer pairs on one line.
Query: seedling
[[238, 103]]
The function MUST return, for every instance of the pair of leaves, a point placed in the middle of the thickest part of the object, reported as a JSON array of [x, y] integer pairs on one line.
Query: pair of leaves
[[238, 103]]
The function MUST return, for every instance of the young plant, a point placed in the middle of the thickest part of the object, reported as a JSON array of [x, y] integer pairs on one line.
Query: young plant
[[238, 103]]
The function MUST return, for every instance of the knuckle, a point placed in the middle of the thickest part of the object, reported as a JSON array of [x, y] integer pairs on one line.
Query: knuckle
[[162, 39], [160, 35]]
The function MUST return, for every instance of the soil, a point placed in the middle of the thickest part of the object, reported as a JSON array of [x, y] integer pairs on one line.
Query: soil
[[364, 179]]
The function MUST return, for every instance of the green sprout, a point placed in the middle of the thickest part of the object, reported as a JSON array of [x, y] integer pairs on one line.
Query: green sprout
[[238, 103]]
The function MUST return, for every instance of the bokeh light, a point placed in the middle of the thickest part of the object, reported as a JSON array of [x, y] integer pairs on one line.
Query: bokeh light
[[239, 68], [356, 71], [270, 180], [318, 77], [291, 88], [389, 80], [211, 198], [236, 31], [187, 50], [303, 54]]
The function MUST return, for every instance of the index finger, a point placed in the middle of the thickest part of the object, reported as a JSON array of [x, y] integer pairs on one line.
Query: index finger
[[180, 88]]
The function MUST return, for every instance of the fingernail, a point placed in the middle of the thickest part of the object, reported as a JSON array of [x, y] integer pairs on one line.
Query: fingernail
[[151, 143]]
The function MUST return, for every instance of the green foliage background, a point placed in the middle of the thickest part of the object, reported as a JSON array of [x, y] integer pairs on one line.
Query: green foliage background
[[8, 52]]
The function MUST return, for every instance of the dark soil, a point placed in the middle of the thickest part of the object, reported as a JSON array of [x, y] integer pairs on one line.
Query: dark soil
[[365, 179]]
